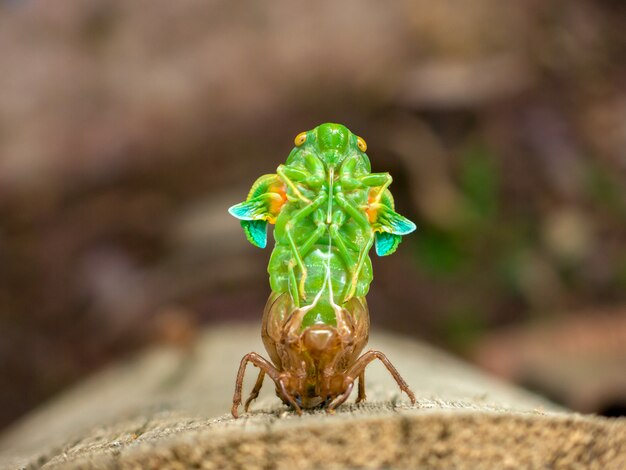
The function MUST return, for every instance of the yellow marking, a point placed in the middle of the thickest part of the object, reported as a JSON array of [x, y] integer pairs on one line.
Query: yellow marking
[[361, 144], [277, 201], [300, 139], [373, 204]]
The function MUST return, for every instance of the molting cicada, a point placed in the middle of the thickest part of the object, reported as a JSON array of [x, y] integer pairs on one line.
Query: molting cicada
[[328, 209]]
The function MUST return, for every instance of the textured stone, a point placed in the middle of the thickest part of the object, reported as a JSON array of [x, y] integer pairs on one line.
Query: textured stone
[[168, 408]]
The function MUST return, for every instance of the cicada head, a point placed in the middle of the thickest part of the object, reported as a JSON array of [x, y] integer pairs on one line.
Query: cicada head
[[333, 141]]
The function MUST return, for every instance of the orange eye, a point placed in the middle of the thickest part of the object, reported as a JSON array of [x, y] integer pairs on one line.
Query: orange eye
[[361, 144], [300, 139]]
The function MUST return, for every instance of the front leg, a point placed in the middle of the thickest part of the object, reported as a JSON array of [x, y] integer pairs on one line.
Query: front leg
[[257, 388], [290, 176], [360, 218], [313, 176], [350, 181], [297, 217], [288, 398], [340, 399], [260, 362], [338, 219], [379, 181]]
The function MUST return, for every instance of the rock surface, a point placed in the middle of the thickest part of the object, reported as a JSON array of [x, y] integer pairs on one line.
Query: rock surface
[[168, 407]]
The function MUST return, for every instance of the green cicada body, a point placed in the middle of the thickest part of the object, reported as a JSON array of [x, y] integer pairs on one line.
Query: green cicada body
[[329, 209]]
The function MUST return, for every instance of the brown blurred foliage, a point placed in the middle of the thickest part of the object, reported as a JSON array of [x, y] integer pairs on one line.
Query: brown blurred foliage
[[128, 128]]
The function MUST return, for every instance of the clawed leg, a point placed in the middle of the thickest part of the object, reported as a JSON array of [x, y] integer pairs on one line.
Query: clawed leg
[[287, 396], [338, 219], [361, 396], [360, 218], [362, 362], [266, 368], [289, 231], [339, 399], [359, 265], [282, 171], [255, 391], [305, 248]]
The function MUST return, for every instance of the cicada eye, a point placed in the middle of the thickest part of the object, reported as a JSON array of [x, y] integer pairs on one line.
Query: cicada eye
[[361, 144], [300, 139]]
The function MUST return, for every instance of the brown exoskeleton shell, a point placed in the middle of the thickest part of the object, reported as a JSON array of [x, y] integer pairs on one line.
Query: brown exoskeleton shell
[[316, 365]]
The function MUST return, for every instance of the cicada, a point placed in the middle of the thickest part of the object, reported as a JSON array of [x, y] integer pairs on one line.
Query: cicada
[[328, 209]]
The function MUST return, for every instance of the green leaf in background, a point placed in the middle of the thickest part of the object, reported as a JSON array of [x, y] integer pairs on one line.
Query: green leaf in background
[[604, 189], [443, 252], [462, 326], [478, 179], [439, 253]]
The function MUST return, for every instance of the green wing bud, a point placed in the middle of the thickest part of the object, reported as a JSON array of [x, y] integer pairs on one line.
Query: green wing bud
[[257, 208], [265, 200], [256, 232], [389, 226], [386, 243], [387, 220]]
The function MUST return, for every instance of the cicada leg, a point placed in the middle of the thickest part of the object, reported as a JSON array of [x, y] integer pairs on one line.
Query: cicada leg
[[361, 396], [318, 219], [338, 219], [295, 219], [345, 327], [282, 172], [340, 399], [287, 396], [255, 391], [305, 248], [379, 181], [362, 362], [293, 283], [361, 219], [359, 265], [358, 370], [260, 362]]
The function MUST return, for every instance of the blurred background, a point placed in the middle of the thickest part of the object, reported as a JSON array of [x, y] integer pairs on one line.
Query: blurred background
[[128, 128]]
